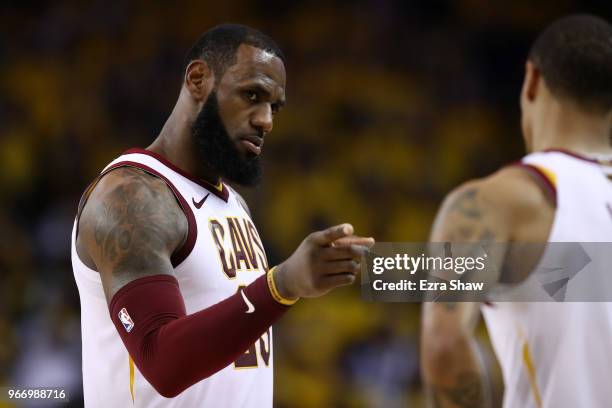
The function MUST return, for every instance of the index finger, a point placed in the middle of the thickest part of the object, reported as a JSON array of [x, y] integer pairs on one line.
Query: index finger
[[354, 240], [331, 234]]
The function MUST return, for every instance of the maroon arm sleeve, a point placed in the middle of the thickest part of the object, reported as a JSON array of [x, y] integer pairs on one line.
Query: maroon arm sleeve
[[173, 350]]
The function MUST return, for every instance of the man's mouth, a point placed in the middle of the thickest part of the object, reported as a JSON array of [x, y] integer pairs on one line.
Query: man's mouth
[[252, 143]]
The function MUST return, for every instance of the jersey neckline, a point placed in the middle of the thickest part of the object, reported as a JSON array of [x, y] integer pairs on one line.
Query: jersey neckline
[[220, 190], [579, 156]]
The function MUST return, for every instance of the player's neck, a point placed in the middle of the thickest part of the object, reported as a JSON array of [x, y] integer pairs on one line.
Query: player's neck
[[174, 143], [564, 127]]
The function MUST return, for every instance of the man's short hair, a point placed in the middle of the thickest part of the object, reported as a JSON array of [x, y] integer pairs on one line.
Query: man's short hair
[[218, 46], [574, 55]]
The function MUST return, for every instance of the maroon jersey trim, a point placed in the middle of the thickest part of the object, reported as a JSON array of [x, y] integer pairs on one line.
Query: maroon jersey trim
[[573, 154], [539, 174], [181, 253], [220, 191]]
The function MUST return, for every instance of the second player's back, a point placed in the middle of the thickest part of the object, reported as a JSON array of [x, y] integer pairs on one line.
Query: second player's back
[[543, 345]]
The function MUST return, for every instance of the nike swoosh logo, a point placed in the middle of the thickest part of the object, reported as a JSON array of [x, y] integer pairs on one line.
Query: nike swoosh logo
[[198, 205], [251, 308]]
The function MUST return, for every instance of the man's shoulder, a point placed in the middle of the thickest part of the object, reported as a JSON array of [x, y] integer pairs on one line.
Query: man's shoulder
[[132, 192], [509, 201], [128, 179], [512, 188], [131, 197]]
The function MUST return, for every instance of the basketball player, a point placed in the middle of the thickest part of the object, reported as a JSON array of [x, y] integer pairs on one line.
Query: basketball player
[[171, 251], [552, 354]]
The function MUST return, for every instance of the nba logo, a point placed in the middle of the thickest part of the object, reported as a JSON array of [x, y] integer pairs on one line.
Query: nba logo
[[126, 320]]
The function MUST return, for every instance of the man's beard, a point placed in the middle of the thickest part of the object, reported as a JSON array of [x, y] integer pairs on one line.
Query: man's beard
[[217, 152]]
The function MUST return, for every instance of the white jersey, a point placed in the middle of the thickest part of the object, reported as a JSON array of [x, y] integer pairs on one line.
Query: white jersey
[[559, 355], [223, 251]]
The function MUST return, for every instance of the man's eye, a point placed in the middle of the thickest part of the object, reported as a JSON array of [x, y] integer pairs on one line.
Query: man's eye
[[251, 96]]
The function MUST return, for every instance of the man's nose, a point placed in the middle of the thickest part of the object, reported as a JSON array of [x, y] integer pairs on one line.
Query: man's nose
[[262, 119]]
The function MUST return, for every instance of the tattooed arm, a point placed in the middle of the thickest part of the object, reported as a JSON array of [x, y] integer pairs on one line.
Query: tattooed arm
[[129, 228], [507, 206]]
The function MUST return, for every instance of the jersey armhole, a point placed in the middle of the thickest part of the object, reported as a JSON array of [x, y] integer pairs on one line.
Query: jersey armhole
[[181, 252], [545, 178]]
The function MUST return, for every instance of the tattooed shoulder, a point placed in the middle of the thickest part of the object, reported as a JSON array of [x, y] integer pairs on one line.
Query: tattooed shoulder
[[132, 223], [464, 202], [465, 216]]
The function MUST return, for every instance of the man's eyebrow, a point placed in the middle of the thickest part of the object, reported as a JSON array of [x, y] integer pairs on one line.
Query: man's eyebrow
[[259, 87]]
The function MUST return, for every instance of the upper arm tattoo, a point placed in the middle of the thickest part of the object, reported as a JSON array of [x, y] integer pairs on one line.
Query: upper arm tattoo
[[465, 218], [469, 225], [134, 225], [468, 392], [466, 204]]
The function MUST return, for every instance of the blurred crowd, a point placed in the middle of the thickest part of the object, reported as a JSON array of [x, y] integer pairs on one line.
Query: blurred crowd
[[390, 105]]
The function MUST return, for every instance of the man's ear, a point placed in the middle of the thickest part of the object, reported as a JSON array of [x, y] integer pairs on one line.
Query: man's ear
[[199, 79], [531, 82]]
